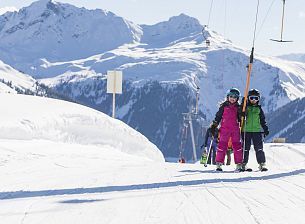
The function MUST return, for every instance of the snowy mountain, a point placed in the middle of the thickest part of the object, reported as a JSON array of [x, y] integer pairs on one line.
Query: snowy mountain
[[36, 118], [177, 28], [4, 10], [292, 120], [12, 81], [294, 57], [59, 32], [15, 82], [162, 65], [160, 83]]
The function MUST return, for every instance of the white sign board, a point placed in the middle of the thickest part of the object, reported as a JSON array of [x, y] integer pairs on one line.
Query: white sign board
[[114, 82]]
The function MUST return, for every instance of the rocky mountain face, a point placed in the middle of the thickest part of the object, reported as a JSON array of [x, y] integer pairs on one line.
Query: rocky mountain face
[[289, 122]]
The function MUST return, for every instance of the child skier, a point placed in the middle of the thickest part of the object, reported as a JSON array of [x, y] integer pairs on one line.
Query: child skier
[[210, 144], [255, 120], [229, 116]]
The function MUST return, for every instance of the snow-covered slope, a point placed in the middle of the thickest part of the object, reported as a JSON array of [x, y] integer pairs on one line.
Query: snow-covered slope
[[294, 57], [288, 121], [4, 10], [13, 81], [48, 182], [28, 118]]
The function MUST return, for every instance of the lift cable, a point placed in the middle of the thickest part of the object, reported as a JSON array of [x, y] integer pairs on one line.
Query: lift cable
[[249, 68]]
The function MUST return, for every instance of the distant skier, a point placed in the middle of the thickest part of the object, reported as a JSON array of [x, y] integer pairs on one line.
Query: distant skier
[[255, 120], [229, 116], [210, 140]]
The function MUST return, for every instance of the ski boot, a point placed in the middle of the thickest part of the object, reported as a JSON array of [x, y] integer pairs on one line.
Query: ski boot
[[262, 167], [239, 167], [245, 168], [181, 160], [218, 167]]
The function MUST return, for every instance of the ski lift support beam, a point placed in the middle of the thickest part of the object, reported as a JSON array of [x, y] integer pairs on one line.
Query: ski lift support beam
[[282, 27]]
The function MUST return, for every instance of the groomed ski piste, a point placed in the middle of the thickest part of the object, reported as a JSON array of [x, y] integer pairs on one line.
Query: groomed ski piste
[[65, 163]]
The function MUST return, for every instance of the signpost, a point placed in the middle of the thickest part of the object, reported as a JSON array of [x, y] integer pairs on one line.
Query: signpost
[[114, 86]]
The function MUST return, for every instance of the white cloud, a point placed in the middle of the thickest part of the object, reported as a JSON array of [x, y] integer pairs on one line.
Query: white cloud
[[7, 9], [302, 14]]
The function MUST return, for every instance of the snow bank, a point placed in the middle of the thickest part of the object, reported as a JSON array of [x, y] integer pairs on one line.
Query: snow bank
[[27, 117]]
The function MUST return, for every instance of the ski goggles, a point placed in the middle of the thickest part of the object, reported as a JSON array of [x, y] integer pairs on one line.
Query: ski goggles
[[233, 96], [253, 98]]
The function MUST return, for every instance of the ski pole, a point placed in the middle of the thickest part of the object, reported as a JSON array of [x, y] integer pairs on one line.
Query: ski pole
[[209, 150], [244, 142]]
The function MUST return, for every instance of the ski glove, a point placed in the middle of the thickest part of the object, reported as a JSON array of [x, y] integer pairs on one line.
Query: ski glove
[[266, 132], [243, 113]]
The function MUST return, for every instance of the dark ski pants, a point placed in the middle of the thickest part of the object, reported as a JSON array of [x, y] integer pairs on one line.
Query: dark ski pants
[[257, 140]]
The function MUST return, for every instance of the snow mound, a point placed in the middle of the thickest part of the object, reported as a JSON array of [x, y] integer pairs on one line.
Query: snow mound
[[29, 117]]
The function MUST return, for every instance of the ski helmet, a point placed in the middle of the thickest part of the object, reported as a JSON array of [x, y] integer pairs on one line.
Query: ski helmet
[[254, 92], [233, 92]]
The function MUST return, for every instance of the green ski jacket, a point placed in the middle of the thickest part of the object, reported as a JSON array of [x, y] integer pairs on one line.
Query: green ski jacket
[[255, 119]]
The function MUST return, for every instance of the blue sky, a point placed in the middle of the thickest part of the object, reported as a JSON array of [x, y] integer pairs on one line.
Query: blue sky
[[232, 18]]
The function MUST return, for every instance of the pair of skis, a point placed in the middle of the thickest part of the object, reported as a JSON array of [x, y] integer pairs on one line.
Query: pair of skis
[[206, 154], [262, 169]]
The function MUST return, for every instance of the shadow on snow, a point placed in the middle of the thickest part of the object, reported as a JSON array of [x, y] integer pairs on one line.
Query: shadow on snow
[[106, 189], [79, 201]]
